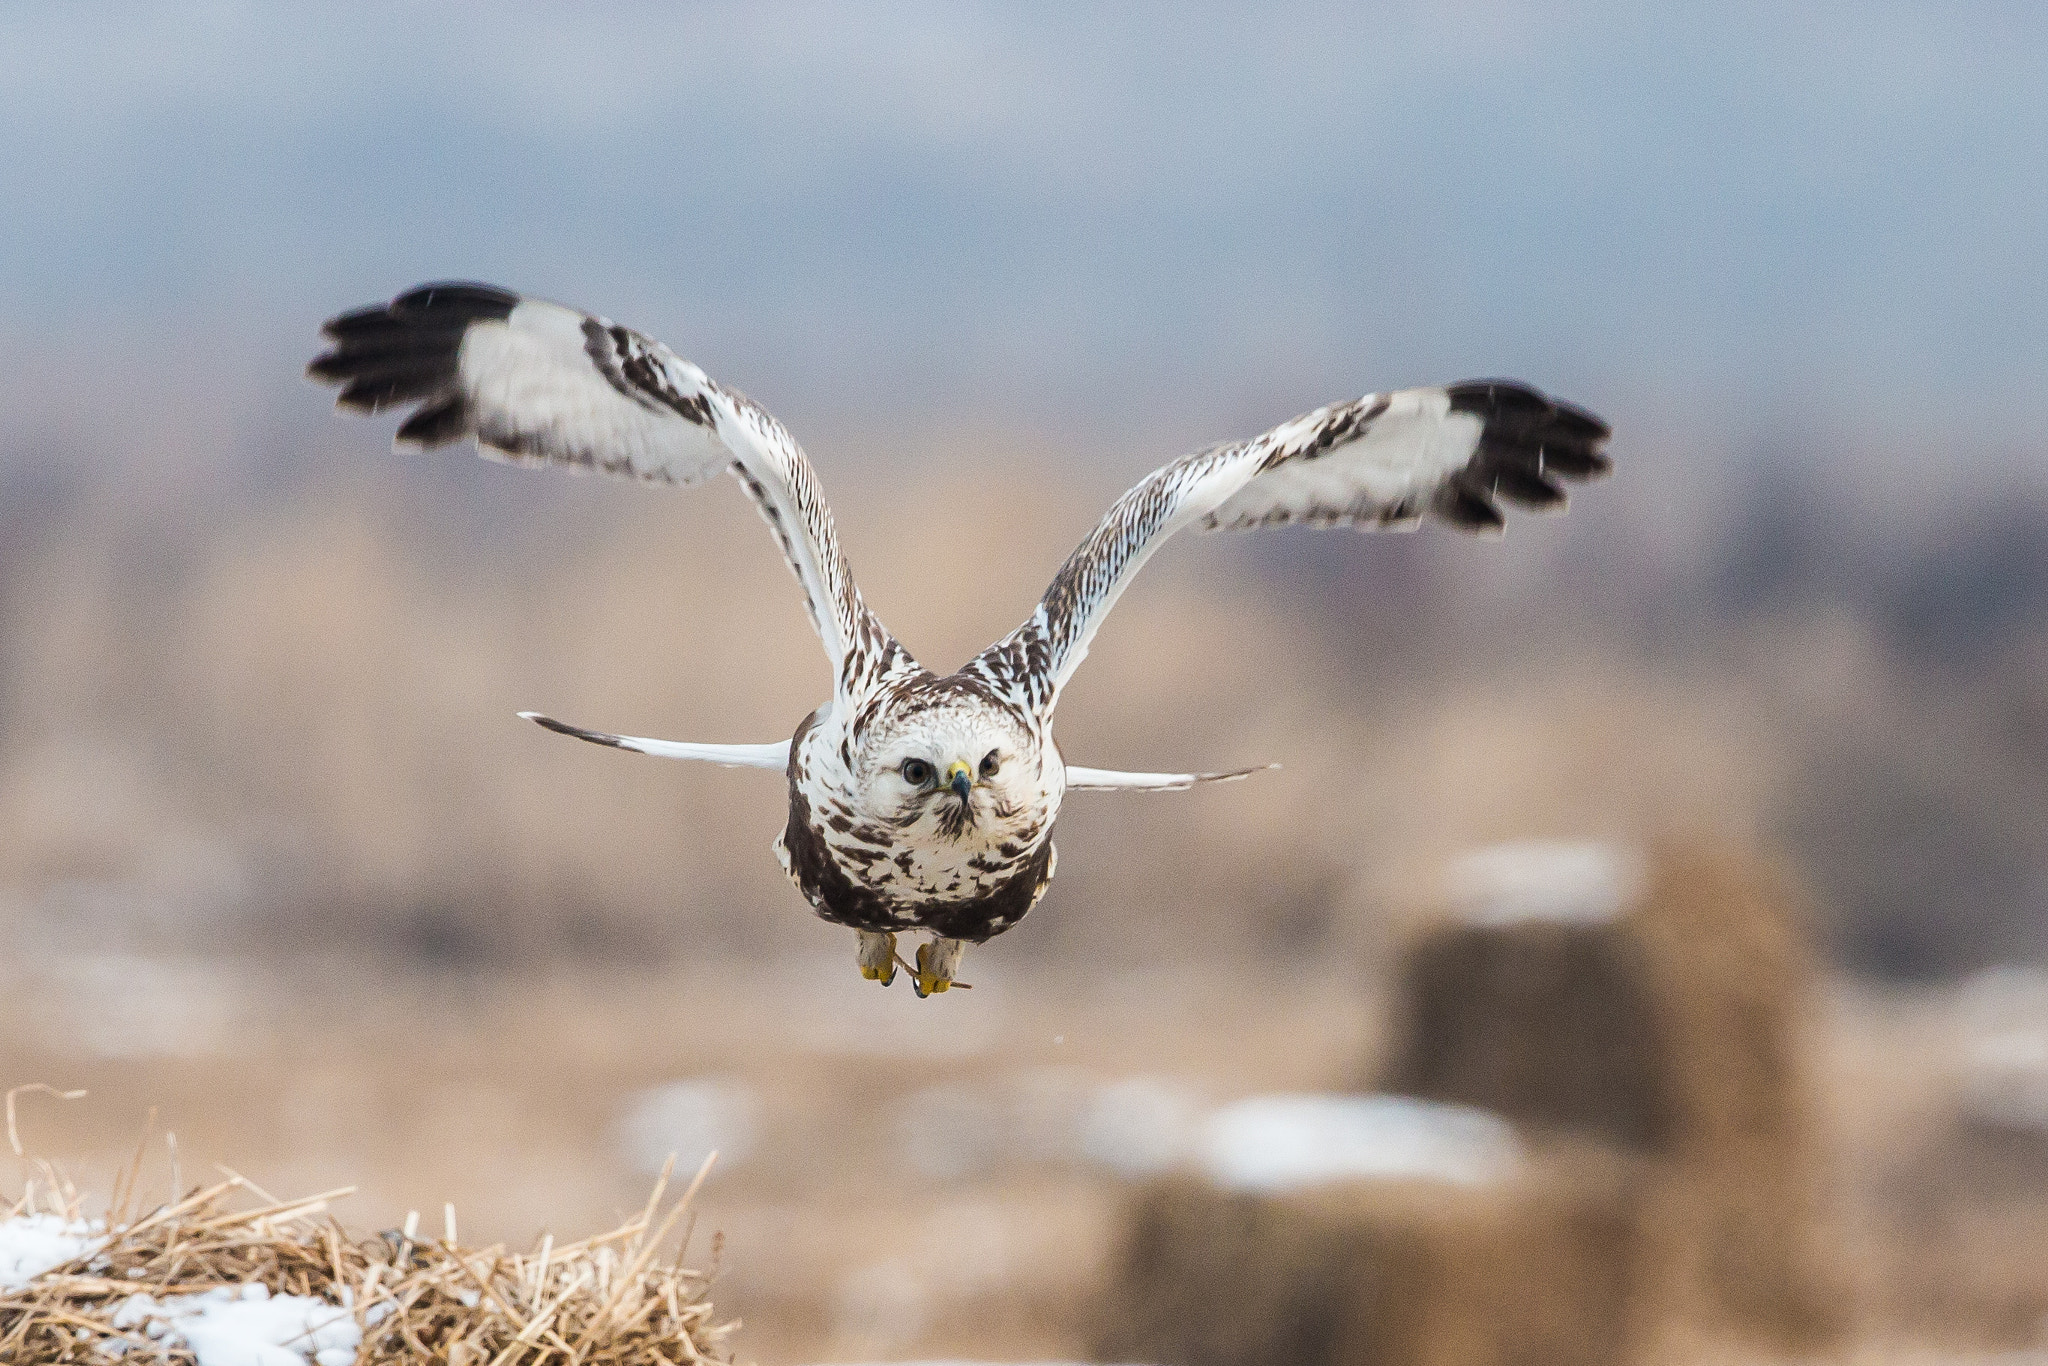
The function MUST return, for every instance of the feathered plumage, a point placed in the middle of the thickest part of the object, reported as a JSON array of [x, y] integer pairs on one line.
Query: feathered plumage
[[919, 801]]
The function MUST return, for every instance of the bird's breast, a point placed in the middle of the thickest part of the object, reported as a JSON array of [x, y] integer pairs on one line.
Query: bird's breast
[[872, 872]]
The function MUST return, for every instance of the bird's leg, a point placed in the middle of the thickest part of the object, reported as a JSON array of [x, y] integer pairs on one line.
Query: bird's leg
[[936, 964], [877, 956]]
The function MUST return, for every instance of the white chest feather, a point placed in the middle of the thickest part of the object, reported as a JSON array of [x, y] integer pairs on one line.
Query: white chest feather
[[936, 850]]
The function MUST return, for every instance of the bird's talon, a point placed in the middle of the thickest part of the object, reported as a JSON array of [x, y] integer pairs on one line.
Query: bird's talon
[[878, 957], [928, 978]]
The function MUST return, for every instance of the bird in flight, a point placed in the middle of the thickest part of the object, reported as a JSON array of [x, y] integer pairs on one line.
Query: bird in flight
[[923, 801]]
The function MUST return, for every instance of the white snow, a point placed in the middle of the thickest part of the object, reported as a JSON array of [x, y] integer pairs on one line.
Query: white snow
[[1291, 1142], [241, 1325], [1046, 1116], [1140, 1125], [31, 1244], [245, 1325], [1575, 883], [2003, 1022], [691, 1119]]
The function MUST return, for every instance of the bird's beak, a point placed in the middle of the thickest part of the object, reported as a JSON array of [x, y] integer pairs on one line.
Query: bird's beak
[[960, 778]]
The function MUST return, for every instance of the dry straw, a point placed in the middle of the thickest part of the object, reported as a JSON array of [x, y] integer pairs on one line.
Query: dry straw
[[1653, 1061], [1537, 1268], [613, 1300], [1674, 1031]]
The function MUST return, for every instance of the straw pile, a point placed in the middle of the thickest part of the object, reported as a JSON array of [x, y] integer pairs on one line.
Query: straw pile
[[607, 1301], [1665, 1022], [1537, 1268]]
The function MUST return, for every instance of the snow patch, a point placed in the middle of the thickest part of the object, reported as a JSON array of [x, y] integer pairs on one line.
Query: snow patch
[[2004, 1061], [243, 1325], [1046, 1116], [1573, 883], [31, 1244], [1291, 1142], [691, 1119], [1140, 1126]]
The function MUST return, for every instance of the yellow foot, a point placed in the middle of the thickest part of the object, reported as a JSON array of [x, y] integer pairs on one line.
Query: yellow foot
[[877, 956], [935, 964]]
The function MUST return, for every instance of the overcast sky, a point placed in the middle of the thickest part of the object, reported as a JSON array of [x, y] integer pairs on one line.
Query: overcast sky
[[1841, 211]]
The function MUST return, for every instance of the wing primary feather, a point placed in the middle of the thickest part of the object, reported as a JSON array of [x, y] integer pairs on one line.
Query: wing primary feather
[[1465, 504], [437, 424], [773, 756], [406, 350], [540, 384], [1455, 452], [1115, 780], [1526, 488]]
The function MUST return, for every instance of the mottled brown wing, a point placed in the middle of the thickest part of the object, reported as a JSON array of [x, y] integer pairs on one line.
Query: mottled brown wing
[[540, 384], [1451, 453]]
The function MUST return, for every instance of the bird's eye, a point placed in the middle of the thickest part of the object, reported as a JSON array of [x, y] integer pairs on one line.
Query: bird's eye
[[916, 772], [989, 764]]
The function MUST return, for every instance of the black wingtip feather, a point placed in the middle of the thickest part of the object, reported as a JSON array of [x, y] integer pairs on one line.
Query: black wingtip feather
[[1526, 488], [1497, 397], [1528, 442], [436, 424], [564, 728], [407, 351], [1466, 505], [1576, 421], [447, 298], [381, 388]]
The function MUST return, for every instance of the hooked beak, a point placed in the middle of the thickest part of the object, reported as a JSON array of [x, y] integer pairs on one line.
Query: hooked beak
[[960, 779]]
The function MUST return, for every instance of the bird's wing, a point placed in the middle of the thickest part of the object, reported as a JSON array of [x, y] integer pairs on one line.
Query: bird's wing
[[1114, 780], [1453, 453], [539, 384], [775, 756]]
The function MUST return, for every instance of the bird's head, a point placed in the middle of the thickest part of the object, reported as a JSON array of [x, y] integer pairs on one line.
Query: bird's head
[[954, 764]]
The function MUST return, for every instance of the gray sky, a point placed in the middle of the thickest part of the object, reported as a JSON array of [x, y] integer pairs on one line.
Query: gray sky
[[1840, 212]]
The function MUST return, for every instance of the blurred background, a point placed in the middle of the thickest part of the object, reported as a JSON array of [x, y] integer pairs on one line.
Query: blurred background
[[276, 857]]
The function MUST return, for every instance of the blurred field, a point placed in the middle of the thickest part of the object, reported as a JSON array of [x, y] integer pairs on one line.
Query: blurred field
[[292, 723], [281, 863], [283, 717], [277, 859], [910, 1180]]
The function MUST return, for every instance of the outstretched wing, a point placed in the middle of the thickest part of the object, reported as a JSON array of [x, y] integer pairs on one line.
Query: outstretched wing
[[539, 384], [1385, 460], [1115, 780], [775, 756]]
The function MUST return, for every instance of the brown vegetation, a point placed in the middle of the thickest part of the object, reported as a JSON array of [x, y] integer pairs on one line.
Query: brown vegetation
[[613, 1300], [1675, 1030], [1656, 1056], [1537, 1270]]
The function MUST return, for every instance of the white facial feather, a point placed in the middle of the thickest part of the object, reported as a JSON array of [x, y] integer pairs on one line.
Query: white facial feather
[[1015, 797]]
